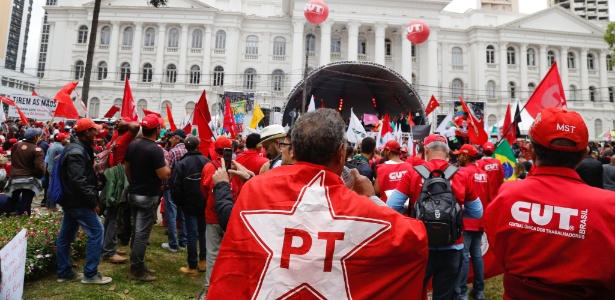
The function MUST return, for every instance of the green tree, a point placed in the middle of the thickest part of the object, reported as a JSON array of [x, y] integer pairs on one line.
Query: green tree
[[609, 38], [158, 3]]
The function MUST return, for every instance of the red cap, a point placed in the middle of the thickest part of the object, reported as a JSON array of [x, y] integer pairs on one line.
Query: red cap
[[150, 121], [38, 123], [489, 146], [60, 136], [104, 125], [434, 138], [223, 142], [467, 149], [404, 150], [84, 124], [13, 140], [393, 146], [558, 123]]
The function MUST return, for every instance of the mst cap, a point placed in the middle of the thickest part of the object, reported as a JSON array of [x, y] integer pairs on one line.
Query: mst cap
[[393, 146], [489, 147], [222, 142], [467, 149], [434, 138], [150, 121], [84, 124], [558, 123]]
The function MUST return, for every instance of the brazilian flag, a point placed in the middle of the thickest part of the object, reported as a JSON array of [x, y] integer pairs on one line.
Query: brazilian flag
[[505, 155]]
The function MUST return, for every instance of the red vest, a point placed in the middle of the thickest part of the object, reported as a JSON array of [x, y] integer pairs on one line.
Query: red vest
[[481, 187], [389, 176], [495, 174]]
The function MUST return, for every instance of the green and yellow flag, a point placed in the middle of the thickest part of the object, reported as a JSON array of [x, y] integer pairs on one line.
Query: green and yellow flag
[[506, 156], [257, 116]]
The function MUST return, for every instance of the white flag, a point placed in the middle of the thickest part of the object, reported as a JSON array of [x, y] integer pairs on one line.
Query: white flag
[[356, 133], [312, 105], [447, 128], [2, 116]]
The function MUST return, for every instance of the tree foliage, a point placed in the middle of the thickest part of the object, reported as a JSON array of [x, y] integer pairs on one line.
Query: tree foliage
[[158, 3], [609, 36]]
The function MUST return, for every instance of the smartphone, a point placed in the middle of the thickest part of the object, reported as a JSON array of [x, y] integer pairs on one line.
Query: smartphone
[[228, 156]]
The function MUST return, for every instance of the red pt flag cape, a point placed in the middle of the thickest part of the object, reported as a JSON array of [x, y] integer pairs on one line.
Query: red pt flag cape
[[66, 107], [549, 93], [299, 233]]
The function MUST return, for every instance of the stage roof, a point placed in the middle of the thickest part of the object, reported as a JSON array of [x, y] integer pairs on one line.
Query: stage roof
[[357, 83]]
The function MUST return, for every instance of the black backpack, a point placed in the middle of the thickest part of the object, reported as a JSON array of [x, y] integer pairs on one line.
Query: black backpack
[[438, 208]]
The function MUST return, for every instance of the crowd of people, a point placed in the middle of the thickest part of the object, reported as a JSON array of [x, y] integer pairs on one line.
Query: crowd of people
[[218, 206]]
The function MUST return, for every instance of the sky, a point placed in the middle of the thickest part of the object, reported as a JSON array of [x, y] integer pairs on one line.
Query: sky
[[525, 6]]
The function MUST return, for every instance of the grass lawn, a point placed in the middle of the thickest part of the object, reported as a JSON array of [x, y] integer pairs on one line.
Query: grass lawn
[[170, 284]]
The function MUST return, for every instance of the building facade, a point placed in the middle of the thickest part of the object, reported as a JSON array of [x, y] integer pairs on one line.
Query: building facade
[[506, 5], [588, 9], [171, 54], [14, 30]]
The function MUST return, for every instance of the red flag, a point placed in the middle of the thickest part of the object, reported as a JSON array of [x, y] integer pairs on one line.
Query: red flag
[[66, 107], [149, 112], [170, 116], [24, 119], [306, 220], [476, 128], [34, 93], [511, 134], [549, 93], [129, 109], [229, 119], [112, 111], [188, 128], [386, 125], [201, 119], [410, 121], [431, 106], [7, 101]]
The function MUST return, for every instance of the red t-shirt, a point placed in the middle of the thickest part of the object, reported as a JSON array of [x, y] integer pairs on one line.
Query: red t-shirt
[[207, 189], [463, 125], [389, 177], [554, 236], [121, 145], [495, 174], [462, 184], [252, 160], [415, 161], [481, 187]]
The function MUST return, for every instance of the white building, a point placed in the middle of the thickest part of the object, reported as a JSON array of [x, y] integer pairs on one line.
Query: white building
[[588, 9], [175, 52]]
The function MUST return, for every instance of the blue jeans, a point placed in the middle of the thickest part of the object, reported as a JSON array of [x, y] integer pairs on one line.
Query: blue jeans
[[172, 214], [93, 228], [471, 248], [195, 225], [143, 210], [444, 266]]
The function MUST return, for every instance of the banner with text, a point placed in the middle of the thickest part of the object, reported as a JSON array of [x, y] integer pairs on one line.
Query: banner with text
[[34, 107], [13, 261], [241, 104]]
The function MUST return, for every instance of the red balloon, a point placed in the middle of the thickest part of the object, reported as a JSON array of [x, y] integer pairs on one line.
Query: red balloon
[[417, 32], [316, 11]]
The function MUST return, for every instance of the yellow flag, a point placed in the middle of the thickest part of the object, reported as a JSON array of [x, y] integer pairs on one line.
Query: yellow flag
[[257, 117]]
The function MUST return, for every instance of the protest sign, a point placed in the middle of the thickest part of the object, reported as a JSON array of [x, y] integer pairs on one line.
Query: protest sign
[[34, 107], [12, 264]]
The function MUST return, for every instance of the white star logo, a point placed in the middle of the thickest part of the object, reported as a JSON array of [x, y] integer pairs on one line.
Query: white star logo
[[308, 246]]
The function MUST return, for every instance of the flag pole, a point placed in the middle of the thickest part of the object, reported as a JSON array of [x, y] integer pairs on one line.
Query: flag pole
[[512, 123]]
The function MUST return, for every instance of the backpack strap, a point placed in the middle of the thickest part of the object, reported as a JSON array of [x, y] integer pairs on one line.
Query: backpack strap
[[216, 163], [450, 171], [423, 171]]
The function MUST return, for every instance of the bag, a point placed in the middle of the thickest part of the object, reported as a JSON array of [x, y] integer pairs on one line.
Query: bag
[[101, 164], [362, 166], [55, 192], [438, 208]]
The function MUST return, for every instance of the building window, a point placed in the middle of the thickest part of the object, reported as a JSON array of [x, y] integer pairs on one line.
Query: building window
[[388, 48], [163, 108], [252, 45], [147, 72], [413, 50], [82, 37], [52, 2], [362, 45], [512, 90], [125, 71], [79, 69], [105, 35], [93, 108], [141, 105], [102, 70], [310, 42], [590, 61], [195, 74], [336, 44], [220, 39], [611, 95], [531, 87], [609, 65], [598, 126], [571, 62], [171, 74], [511, 56], [189, 108], [413, 79], [218, 76], [572, 93], [277, 80], [592, 94], [279, 46], [173, 38], [150, 37], [197, 39], [456, 88], [457, 56], [550, 58], [249, 77], [127, 38], [531, 57], [490, 89], [490, 54]]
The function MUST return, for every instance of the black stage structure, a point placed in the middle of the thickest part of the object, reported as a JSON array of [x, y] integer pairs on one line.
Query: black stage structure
[[360, 85]]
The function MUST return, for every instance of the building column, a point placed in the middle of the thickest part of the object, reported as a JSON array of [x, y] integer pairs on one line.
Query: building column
[[584, 81], [207, 69], [524, 89], [604, 83], [297, 65], [135, 64], [446, 71], [543, 61], [563, 69], [325, 42], [232, 47], [183, 53], [406, 55], [504, 73], [353, 40], [159, 68], [480, 69], [113, 45], [432, 61], [380, 29]]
